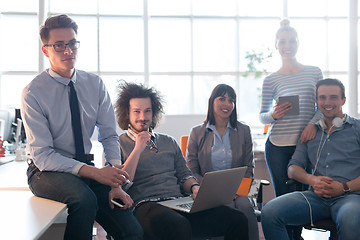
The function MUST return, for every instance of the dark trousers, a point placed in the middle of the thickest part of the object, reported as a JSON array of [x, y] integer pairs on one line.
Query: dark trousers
[[87, 201], [160, 222]]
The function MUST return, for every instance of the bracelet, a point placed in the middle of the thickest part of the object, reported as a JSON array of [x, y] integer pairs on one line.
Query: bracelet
[[191, 187], [346, 188]]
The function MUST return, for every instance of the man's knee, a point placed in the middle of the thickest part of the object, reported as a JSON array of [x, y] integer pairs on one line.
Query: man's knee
[[269, 211], [348, 219], [83, 203], [166, 226]]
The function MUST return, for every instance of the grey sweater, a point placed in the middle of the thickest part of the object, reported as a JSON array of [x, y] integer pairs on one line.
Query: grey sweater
[[158, 175]]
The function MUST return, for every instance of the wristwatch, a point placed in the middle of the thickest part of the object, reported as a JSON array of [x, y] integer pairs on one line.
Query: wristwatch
[[191, 187], [346, 188]]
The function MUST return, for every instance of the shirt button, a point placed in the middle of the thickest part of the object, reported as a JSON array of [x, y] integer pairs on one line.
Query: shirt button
[[328, 154], [327, 166]]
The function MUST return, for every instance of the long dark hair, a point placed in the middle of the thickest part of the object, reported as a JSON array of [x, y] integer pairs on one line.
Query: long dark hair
[[221, 90]]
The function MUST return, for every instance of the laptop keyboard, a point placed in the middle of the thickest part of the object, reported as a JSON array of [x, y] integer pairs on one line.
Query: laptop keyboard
[[185, 205]]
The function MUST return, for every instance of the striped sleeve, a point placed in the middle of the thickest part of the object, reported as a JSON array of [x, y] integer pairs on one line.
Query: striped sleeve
[[303, 84]]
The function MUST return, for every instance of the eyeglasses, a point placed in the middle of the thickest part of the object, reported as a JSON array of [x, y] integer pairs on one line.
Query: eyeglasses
[[60, 46]]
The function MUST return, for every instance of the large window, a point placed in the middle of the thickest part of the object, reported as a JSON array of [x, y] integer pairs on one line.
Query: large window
[[182, 47]]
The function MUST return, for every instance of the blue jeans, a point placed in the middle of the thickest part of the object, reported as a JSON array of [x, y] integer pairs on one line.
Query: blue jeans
[[277, 160], [293, 209], [87, 201]]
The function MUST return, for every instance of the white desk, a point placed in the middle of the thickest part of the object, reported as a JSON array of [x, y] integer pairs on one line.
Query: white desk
[[24, 216], [6, 159], [13, 176]]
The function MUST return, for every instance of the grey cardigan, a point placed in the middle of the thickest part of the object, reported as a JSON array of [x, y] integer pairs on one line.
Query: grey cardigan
[[198, 154]]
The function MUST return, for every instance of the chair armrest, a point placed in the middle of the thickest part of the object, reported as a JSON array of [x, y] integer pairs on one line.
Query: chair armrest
[[257, 191], [294, 185], [291, 182], [265, 182]]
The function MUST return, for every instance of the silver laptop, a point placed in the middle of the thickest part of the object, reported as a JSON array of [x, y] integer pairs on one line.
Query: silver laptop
[[217, 188]]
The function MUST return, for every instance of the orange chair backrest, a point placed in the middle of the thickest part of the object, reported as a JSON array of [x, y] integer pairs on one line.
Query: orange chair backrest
[[183, 144], [266, 128], [244, 186]]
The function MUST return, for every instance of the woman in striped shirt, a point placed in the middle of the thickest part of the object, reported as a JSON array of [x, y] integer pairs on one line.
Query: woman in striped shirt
[[292, 78]]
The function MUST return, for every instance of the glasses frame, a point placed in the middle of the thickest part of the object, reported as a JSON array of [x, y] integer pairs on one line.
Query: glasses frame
[[75, 46]]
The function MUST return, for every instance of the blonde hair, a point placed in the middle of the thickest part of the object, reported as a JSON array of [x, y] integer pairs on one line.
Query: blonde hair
[[285, 26]]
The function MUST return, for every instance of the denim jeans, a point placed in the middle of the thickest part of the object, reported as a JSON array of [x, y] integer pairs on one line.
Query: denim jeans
[[293, 209], [87, 201], [277, 160]]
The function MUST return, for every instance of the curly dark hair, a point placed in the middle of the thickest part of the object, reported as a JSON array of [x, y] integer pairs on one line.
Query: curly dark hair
[[221, 90], [58, 21], [128, 91]]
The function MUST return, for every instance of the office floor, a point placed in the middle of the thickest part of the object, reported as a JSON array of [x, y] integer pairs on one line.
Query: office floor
[[261, 172], [306, 234]]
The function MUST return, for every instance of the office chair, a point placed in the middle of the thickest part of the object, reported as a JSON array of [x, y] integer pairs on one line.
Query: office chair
[[253, 188], [320, 225]]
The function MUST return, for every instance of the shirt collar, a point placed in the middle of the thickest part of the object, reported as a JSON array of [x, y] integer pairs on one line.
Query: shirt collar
[[61, 79], [131, 134], [348, 119], [213, 128]]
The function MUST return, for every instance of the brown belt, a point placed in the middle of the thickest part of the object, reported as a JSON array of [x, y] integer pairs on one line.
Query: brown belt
[[88, 158]]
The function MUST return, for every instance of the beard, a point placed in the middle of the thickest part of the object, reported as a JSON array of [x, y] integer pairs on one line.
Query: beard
[[140, 126]]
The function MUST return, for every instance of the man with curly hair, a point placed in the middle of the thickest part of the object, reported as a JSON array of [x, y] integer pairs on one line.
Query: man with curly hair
[[158, 172]]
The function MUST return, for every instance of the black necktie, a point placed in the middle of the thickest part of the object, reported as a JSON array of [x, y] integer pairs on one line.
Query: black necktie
[[76, 124]]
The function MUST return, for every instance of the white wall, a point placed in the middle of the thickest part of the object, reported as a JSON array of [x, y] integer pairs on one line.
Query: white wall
[[178, 125], [173, 125]]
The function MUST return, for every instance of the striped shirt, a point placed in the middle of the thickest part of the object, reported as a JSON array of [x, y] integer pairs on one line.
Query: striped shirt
[[286, 131]]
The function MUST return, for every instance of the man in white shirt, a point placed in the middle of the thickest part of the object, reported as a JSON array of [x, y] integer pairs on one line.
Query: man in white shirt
[[55, 170]]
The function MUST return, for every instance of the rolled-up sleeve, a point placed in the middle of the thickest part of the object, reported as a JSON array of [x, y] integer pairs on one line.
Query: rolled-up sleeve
[[300, 156]]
